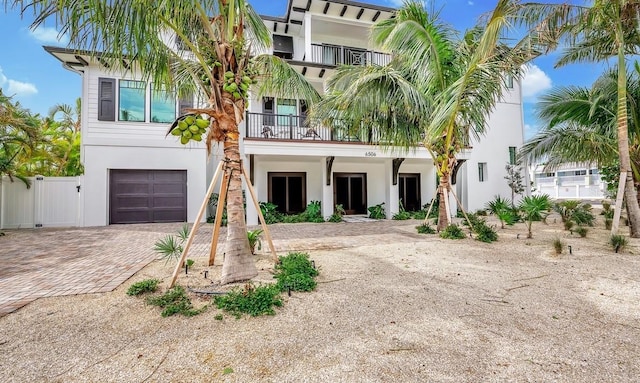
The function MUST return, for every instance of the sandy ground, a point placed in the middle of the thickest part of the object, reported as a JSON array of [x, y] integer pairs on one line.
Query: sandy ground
[[422, 310]]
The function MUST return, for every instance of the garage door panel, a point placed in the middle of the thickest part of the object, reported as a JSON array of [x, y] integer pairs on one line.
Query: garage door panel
[[141, 196], [168, 188]]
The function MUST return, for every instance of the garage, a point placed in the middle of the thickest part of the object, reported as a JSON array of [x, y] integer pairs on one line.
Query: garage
[[146, 196]]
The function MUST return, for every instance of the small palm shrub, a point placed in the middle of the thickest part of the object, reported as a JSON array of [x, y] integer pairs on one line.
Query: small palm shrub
[[558, 245], [576, 212], [582, 231], [452, 231], [503, 210], [425, 228], [607, 223], [313, 212], [170, 247], [534, 208], [254, 240], [618, 242]]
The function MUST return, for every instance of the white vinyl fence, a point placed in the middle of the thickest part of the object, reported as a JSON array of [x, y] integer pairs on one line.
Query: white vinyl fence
[[49, 202]]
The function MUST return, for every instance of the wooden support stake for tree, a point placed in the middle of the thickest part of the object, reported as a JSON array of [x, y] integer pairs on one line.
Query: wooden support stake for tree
[[222, 201], [463, 211], [433, 200], [196, 224], [265, 229], [618, 209]]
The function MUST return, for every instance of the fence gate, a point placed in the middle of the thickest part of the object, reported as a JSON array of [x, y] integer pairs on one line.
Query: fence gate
[[50, 202]]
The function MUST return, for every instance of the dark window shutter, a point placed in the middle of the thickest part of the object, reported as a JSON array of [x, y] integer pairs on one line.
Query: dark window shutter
[[106, 99], [185, 102]]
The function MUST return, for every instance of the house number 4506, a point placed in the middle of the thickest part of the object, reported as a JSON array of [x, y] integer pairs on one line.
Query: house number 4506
[[370, 154]]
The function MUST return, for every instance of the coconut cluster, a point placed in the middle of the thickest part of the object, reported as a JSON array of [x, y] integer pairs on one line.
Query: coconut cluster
[[190, 127]]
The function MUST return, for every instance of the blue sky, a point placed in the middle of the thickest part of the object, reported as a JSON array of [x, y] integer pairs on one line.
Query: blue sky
[[38, 81]]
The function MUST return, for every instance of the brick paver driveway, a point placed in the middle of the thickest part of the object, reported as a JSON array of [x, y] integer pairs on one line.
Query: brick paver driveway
[[51, 262]]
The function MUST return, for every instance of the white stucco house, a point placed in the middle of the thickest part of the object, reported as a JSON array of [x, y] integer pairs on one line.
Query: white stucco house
[[134, 174], [569, 181]]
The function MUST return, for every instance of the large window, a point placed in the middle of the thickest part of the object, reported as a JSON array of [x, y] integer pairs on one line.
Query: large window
[[482, 171], [131, 100], [288, 191], [163, 106]]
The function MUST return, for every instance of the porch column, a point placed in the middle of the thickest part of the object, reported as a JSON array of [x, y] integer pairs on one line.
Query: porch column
[[392, 194], [252, 211], [307, 37], [327, 190]]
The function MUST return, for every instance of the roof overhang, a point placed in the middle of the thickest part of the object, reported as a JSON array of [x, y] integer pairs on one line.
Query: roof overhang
[[343, 9]]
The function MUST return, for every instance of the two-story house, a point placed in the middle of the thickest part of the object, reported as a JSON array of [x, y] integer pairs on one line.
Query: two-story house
[[134, 174]]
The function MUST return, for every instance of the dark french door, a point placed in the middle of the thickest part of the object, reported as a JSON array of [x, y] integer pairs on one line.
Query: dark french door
[[409, 185], [350, 191]]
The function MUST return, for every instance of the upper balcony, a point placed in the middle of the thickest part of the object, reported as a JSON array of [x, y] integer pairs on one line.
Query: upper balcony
[[290, 127], [329, 54]]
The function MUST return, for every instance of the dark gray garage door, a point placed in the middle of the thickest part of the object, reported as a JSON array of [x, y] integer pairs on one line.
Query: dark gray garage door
[[141, 196]]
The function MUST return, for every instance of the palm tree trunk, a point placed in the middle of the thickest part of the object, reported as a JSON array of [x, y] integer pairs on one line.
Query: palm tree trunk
[[630, 195], [443, 212], [239, 264]]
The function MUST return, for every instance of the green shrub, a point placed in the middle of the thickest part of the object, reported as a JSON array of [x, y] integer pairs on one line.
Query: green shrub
[[558, 245], [252, 300], [481, 212], [377, 211], [401, 216], [582, 231], [568, 225], [313, 212], [502, 208], [452, 231], [270, 212], [175, 301], [425, 228], [420, 214], [607, 223], [618, 242], [296, 272], [146, 286], [338, 212], [484, 232]]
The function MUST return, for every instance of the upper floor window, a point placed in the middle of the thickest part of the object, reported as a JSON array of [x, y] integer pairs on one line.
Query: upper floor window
[[163, 106], [509, 81], [512, 155], [482, 171], [131, 96]]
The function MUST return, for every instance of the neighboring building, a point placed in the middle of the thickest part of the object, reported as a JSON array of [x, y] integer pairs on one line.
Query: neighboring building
[[569, 181], [134, 174]]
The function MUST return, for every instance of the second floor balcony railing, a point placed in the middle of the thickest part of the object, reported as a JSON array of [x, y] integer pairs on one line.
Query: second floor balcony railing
[[295, 127], [340, 55]]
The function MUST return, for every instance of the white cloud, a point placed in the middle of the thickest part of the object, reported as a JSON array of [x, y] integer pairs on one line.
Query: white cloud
[[49, 35], [19, 88], [470, 2], [534, 82]]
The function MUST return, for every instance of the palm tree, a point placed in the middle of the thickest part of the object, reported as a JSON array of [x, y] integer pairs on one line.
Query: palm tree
[[438, 89], [213, 38], [69, 125], [18, 135], [608, 29]]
